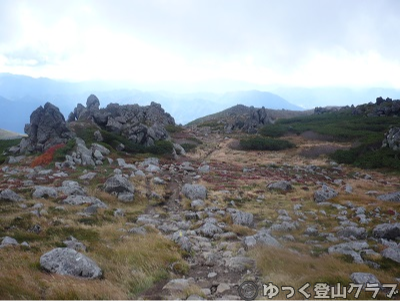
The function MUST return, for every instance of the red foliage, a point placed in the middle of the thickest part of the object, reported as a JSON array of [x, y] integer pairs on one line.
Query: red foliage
[[391, 212], [47, 157]]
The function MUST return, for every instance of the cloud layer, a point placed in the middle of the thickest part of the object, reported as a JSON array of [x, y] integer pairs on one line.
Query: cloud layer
[[265, 43]]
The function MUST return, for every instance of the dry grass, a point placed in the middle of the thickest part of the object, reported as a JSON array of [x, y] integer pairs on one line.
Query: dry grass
[[284, 267], [131, 264]]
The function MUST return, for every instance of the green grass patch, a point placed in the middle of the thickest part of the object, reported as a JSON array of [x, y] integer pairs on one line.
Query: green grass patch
[[263, 143], [81, 234]]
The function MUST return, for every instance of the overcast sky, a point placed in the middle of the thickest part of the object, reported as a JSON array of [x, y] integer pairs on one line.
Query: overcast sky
[[351, 43]]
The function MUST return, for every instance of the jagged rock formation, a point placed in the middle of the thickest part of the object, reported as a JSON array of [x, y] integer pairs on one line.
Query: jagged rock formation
[[323, 110], [47, 128], [140, 124], [248, 119], [382, 107]]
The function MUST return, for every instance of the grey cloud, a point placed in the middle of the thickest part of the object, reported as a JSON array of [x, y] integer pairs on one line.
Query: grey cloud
[[275, 32], [281, 29]]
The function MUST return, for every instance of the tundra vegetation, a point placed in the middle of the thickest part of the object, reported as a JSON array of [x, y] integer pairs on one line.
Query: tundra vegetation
[[307, 199]]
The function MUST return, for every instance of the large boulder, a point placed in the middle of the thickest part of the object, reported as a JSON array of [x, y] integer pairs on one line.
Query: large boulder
[[66, 261], [47, 128]]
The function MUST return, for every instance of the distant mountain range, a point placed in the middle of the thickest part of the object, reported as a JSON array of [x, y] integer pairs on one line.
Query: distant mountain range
[[21, 95]]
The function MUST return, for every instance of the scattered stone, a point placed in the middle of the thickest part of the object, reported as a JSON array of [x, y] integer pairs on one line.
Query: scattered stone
[[212, 275], [392, 253], [265, 238], [388, 231], [390, 197], [178, 285], [66, 261], [80, 200], [98, 137], [364, 278], [281, 185], [138, 230], [119, 213], [249, 241], [126, 197], [348, 189], [71, 188], [209, 230], [324, 194], [153, 168], [311, 231], [194, 297], [195, 204], [194, 191], [241, 218], [118, 184], [350, 248], [204, 169], [223, 287], [8, 241], [240, 264], [140, 173], [158, 181], [10, 196], [74, 244], [88, 176], [44, 192], [355, 232]]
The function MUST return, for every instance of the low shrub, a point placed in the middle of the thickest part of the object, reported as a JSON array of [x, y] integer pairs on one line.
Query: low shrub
[[171, 128], [60, 153], [188, 147], [274, 131], [47, 157], [263, 143]]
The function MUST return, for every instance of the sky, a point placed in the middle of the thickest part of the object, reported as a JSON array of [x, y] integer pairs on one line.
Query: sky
[[264, 43]]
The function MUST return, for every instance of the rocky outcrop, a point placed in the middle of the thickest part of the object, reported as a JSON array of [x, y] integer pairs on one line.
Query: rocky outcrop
[[392, 139], [382, 107], [140, 124], [47, 128], [247, 119]]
